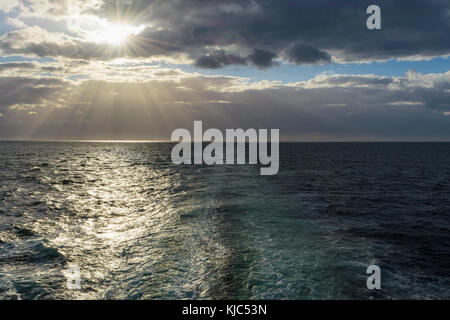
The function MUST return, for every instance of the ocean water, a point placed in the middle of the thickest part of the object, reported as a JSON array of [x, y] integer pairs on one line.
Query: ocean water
[[139, 227]]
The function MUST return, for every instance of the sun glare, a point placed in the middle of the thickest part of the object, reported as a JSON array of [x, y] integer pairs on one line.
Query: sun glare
[[114, 34]]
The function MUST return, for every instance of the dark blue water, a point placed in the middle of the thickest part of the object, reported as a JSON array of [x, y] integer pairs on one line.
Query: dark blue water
[[139, 227]]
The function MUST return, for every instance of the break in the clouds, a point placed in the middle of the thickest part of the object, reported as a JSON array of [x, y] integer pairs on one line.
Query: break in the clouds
[[121, 69]]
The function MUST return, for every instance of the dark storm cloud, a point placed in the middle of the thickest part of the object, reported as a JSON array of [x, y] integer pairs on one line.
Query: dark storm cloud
[[302, 32], [304, 54], [262, 58], [219, 59], [308, 31]]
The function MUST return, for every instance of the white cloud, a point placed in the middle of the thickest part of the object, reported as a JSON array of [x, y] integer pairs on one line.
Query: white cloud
[[7, 5], [15, 23], [406, 103]]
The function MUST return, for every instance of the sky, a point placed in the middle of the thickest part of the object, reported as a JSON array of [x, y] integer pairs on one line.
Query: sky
[[137, 70]]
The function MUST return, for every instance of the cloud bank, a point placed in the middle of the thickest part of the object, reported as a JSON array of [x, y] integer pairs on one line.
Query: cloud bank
[[214, 34], [330, 107]]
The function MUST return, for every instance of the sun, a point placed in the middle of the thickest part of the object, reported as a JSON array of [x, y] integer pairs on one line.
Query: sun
[[114, 34]]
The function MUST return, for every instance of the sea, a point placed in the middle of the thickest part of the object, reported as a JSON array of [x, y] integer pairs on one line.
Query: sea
[[137, 226]]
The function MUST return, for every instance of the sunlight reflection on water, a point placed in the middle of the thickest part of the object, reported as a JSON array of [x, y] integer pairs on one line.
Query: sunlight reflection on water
[[141, 228]]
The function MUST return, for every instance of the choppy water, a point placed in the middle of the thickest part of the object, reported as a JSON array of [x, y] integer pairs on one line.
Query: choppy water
[[141, 228]]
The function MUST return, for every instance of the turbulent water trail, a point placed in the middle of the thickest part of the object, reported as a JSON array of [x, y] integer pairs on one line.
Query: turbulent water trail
[[139, 227]]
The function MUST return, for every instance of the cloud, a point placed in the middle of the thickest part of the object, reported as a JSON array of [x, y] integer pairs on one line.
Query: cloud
[[216, 34], [7, 5], [354, 81], [305, 29], [304, 54], [28, 92], [56, 9], [17, 65], [326, 107], [85, 91], [219, 59], [262, 58], [36, 41]]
